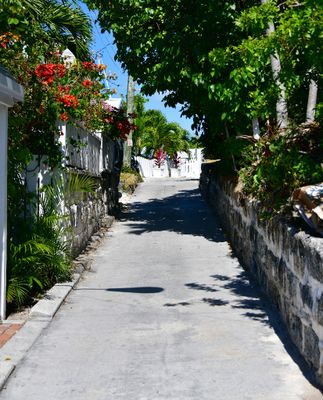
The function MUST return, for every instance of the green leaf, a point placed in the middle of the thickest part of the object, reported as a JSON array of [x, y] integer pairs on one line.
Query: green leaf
[[13, 21]]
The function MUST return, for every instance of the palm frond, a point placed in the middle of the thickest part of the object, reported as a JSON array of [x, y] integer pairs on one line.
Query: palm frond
[[66, 25]]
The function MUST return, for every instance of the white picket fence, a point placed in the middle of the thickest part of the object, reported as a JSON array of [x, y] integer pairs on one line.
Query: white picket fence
[[189, 167]]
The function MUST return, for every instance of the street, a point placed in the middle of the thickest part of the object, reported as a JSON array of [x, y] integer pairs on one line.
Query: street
[[166, 312]]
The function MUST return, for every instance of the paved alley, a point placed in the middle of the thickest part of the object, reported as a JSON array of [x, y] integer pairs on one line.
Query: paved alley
[[166, 312]]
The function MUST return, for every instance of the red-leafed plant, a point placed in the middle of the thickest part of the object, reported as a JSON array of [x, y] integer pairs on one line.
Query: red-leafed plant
[[176, 160], [160, 157]]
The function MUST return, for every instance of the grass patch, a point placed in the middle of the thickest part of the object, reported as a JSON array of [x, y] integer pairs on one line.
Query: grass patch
[[129, 180]]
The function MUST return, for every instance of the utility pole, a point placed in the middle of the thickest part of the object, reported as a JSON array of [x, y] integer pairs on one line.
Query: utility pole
[[130, 109]]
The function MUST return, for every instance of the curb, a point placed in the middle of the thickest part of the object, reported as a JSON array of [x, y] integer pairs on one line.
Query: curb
[[39, 318]]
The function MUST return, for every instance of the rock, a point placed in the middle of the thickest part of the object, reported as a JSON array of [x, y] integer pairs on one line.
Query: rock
[[308, 201], [309, 196]]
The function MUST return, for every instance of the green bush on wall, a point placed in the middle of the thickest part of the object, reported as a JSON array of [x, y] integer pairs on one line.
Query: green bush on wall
[[275, 166]]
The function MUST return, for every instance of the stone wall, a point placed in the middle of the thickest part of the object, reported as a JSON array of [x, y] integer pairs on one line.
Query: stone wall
[[87, 213], [286, 262]]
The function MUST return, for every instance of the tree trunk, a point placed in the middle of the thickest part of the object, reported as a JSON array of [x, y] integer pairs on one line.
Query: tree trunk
[[281, 105], [311, 102], [256, 128], [228, 135], [130, 110]]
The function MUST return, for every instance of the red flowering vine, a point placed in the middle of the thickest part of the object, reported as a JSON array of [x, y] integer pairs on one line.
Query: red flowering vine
[[118, 123], [45, 72], [64, 116], [89, 65], [87, 83], [69, 100], [68, 92]]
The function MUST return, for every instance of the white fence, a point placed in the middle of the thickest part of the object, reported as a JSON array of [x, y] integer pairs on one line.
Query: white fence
[[83, 150], [94, 156], [189, 167], [91, 155]]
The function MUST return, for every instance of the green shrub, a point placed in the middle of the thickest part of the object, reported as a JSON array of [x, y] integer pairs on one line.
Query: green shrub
[[275, 166], [39, 256], [129, 179]]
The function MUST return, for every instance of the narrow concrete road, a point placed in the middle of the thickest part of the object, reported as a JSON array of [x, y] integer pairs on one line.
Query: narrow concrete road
[[166, 313]]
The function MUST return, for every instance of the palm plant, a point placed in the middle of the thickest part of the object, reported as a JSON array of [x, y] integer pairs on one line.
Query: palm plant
[[157, 133], [49, 21], [42, 256]]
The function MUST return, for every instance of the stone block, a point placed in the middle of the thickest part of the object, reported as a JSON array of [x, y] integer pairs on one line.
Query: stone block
[[314, 262], [273, 293], [306, 295], [290, 285], [320, 310], [311, 347], [272, 265], [281, 268], [295, 329], [253, 234]]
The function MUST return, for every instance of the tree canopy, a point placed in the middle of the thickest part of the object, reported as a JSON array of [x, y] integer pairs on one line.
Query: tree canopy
[[154, 132], [213, 57]]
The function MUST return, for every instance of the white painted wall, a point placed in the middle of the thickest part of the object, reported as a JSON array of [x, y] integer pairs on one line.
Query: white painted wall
[[10, 93], [3, 207], [190, 167]]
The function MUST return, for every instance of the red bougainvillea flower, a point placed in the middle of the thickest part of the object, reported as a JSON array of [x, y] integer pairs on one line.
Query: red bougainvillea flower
[[87, 83], [64, 89], [61, 70], [63, 116], [69, 100], [46, 72], [89, 65]]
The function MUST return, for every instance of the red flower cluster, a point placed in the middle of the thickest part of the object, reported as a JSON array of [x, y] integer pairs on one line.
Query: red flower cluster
[[89, 65], [64, 89], [69, 100], [124, 128], [46, 72], [87, 83], [60, 70], [117, 119], [63, 116]]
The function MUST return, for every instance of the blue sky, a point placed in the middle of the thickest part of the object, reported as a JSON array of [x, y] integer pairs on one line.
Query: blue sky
[[103, 43]]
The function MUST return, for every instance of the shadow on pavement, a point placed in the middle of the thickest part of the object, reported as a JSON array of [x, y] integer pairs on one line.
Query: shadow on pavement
[[255, 306], [185, 213], [140, 290], [198, 286]]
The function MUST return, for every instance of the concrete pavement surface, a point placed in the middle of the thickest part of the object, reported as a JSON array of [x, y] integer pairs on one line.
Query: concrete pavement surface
[[166, 312]]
